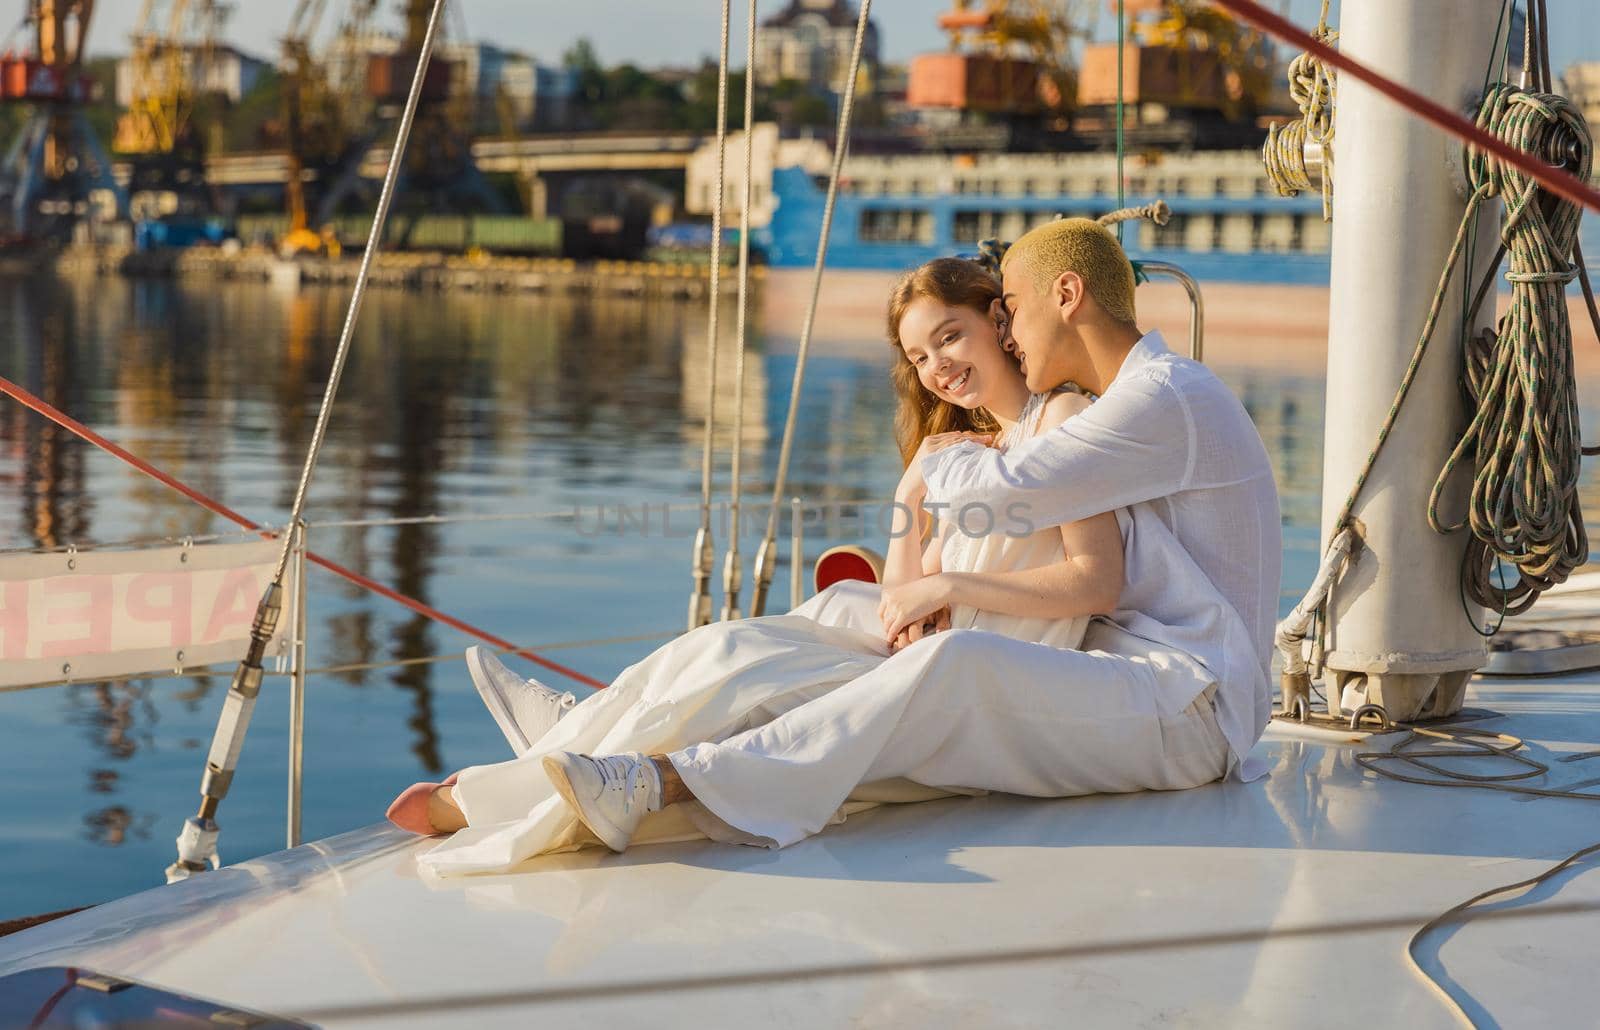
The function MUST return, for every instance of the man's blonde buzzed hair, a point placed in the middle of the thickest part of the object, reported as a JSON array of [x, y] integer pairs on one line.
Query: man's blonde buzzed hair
[[1079, 245]]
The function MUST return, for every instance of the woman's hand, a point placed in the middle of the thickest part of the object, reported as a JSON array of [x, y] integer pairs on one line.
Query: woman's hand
[[912, 488], [938, 622], [915, 609]]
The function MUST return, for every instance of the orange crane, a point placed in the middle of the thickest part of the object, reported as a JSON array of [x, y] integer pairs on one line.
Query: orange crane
[[56, 167]]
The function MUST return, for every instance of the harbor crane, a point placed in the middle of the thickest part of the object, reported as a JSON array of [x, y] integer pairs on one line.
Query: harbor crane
[[1183, 57], [171, 67], [322, 123], [55, 174]]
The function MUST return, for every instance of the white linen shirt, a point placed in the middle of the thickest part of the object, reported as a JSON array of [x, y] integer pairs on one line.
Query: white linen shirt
[[1172, 445]]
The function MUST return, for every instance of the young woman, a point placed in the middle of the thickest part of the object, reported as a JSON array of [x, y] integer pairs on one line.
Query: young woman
[[972, 570]]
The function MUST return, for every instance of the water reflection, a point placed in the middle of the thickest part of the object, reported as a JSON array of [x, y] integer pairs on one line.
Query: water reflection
[[118, 719], [55, 507], [469, 403]]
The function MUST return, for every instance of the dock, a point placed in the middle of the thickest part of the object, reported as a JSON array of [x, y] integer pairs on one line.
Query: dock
[[414, 270]]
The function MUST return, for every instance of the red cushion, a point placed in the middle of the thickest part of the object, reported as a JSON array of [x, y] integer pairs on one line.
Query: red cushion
[[842, 565]]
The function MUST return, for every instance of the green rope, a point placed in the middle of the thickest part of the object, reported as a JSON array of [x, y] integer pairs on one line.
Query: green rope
[[1122, 200], [1519, 382]]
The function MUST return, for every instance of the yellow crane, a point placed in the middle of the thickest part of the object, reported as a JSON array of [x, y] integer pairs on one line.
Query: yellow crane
[[172, 57], [319, 120]]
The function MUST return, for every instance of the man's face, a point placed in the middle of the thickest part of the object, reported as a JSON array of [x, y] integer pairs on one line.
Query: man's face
[[1036, 329]]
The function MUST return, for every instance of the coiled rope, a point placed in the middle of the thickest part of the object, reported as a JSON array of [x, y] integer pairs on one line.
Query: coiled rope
[[1524, 431], [1519, 381], [1311, 87]]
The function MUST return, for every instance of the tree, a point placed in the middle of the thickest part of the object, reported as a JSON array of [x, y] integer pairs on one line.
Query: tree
[[582, 59]]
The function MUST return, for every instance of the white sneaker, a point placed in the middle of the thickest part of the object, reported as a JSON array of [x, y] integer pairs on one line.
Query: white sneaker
[[611, 794], [525, 709]]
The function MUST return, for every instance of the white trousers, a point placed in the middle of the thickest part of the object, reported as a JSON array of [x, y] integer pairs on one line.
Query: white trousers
[[962, 710], [775, 723]]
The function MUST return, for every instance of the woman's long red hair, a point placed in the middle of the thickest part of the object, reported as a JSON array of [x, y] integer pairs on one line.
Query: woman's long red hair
[[956, 282]]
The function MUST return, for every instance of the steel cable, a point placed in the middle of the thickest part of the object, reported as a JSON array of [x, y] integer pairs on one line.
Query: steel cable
[[766, 557], [704, 553], [734, 564]]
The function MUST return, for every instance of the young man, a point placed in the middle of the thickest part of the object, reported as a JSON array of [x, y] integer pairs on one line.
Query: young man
[[1170, 691]]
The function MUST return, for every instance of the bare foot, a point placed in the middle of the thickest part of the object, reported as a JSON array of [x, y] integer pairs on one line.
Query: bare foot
[[673, 789], [443, 812], [427, 808]]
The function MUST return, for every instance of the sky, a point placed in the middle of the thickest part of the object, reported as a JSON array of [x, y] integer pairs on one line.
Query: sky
[[679, 32]]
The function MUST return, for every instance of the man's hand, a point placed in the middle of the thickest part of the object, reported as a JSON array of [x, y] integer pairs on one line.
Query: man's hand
[[912, 488], [913, 609]]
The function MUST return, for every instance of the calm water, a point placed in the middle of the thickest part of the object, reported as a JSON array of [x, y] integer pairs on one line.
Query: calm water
[[458, 405]]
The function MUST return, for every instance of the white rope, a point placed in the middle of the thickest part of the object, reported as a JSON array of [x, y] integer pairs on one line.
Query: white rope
[[704, 554], [766, 558], [732, 570], [1292, 631]]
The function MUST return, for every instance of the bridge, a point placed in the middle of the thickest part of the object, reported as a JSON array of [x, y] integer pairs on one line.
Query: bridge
[[531, 158]]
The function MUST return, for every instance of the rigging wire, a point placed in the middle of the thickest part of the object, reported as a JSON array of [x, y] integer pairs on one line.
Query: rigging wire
[[766, 557], [1536, 70], [1459, 913], [1122, 179], [197, 842], [704, 549], [734, 565], [1471, 307]]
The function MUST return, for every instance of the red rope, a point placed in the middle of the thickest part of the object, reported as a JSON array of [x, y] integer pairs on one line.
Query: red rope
[[1557, 180], [72, 425]]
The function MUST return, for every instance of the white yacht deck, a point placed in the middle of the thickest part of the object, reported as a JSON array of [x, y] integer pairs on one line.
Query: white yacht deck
[[1287, 901]]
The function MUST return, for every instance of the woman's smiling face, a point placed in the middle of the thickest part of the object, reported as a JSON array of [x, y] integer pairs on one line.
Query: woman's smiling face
[[956, 352]]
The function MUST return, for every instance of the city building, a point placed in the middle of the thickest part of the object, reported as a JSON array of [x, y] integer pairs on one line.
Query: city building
[[511, 86], [505, 86], [770, 153], [227, 71], [810, 42]]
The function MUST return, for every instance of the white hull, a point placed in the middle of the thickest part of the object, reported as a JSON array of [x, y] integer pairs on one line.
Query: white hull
[[1287, 901]]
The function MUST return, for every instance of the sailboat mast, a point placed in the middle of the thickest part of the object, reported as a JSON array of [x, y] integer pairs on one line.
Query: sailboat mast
[[1399, 631]]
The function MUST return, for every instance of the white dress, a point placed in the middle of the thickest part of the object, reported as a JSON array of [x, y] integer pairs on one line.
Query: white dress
[[728, 679], [987, 539]]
